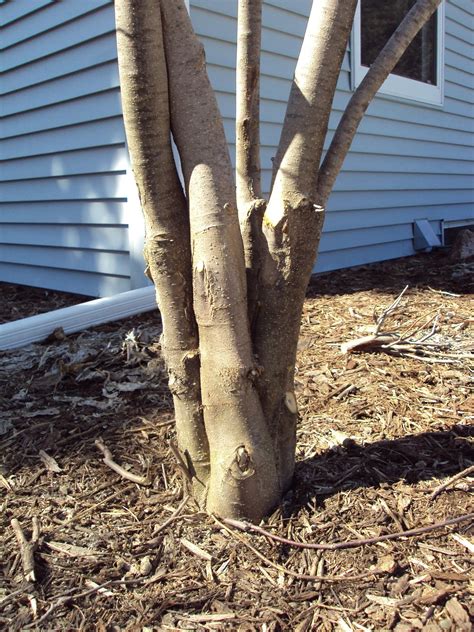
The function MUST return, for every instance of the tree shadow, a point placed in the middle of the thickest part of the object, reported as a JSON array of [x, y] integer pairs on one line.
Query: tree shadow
[[411, 459]]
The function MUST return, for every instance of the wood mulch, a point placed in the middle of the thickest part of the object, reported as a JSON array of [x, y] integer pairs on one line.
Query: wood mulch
[[18, 301], [379, 434]]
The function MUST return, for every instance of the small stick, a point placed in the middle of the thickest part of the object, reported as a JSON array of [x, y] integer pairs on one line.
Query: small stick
[[446, 484], [174, 516], [109, 461], [350, 544], [286, 571], [27, 548]]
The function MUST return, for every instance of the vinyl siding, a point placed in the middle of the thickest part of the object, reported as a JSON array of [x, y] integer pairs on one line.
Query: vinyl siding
[[64, 183], [408, 161], [66, 198]]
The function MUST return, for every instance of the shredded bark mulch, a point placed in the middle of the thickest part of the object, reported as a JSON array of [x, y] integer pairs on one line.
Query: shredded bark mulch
[[19, 301], [385, 445]]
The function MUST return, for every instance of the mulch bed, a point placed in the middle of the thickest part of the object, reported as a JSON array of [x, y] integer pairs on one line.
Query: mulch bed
[[379, 432], [19, 301]]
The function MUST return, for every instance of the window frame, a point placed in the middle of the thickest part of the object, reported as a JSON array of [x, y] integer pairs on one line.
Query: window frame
[[402, 87]]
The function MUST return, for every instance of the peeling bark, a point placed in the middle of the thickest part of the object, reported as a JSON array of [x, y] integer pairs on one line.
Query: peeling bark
[[144, 87]]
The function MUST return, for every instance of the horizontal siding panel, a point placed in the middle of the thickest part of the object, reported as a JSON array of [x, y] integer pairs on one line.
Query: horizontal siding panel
[[84, 109], [374, 235], [86, 135], [110, 212], [344, 201], [89, 237], [103, 49], [350, 220], [51, 17], [88, 284], [82, 83], [11, 11], [458, 30], [366, 254], [84, 28], [66, 188], [96, 160], [66, 258], [464, 5], [98, 212]]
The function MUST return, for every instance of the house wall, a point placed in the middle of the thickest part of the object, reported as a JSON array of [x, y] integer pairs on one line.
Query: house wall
[[64, 185], [66, 195]]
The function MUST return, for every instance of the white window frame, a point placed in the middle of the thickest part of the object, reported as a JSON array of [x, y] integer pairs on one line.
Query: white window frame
[[402, 87]]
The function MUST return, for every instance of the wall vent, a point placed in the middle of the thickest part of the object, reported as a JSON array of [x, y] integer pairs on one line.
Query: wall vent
[[424, 237]]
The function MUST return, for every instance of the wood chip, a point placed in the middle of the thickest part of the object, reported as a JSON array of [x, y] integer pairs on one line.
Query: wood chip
[[196, 550], [49, 462]]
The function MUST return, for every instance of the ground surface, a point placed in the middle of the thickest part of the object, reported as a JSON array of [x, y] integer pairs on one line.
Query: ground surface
[[378, 434], [18, 301]]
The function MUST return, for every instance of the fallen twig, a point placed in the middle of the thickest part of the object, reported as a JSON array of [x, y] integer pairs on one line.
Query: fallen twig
[[109, 461], [286, 571], [407, 344], [27, 548], [174, 516], [449, 482], [350, 544]]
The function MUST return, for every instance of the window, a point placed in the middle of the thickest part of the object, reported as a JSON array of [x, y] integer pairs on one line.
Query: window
[[418, 75]]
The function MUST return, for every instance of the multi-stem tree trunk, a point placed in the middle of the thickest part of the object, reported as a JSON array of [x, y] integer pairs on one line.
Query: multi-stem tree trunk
[[231, 268]]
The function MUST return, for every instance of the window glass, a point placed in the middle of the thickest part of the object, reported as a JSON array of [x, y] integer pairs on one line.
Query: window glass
[[378, 22]]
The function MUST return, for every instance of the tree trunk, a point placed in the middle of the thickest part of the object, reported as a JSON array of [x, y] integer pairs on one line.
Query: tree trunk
[[231, 271]]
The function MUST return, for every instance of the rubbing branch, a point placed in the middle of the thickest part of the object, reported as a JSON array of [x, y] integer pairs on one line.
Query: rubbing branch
[[378, 72]]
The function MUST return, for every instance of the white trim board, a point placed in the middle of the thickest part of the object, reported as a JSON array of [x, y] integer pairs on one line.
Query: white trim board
[[20, 333]]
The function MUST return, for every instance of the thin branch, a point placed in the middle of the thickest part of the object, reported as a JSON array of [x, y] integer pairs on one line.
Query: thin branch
[[247, 124], [469, 470], [388, 58], [350, 544], [286, 571], [109, 461]]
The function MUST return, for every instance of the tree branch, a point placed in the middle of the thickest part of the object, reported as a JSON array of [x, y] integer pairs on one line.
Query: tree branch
[[145, 102], [248, 103], [243, 477], [247, 126], [293, 220], [388, 58]]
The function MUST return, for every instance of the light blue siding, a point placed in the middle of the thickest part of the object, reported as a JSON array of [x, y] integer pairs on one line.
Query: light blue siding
[[408, 161], [64, 217], [65, 190]]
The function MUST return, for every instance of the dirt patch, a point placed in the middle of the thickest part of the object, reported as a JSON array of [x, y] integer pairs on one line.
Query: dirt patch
[[378, 433], [19, 301]]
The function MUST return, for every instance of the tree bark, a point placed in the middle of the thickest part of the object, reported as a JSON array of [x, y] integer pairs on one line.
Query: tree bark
[[293, 220], [386, 61], [250, 204], [243, 478], [144, 89]]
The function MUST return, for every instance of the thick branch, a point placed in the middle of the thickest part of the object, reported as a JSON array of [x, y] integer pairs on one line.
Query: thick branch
[[144, 87], [247, 126], [373, 80], [293, 220], [296, 163], [243, 478]]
